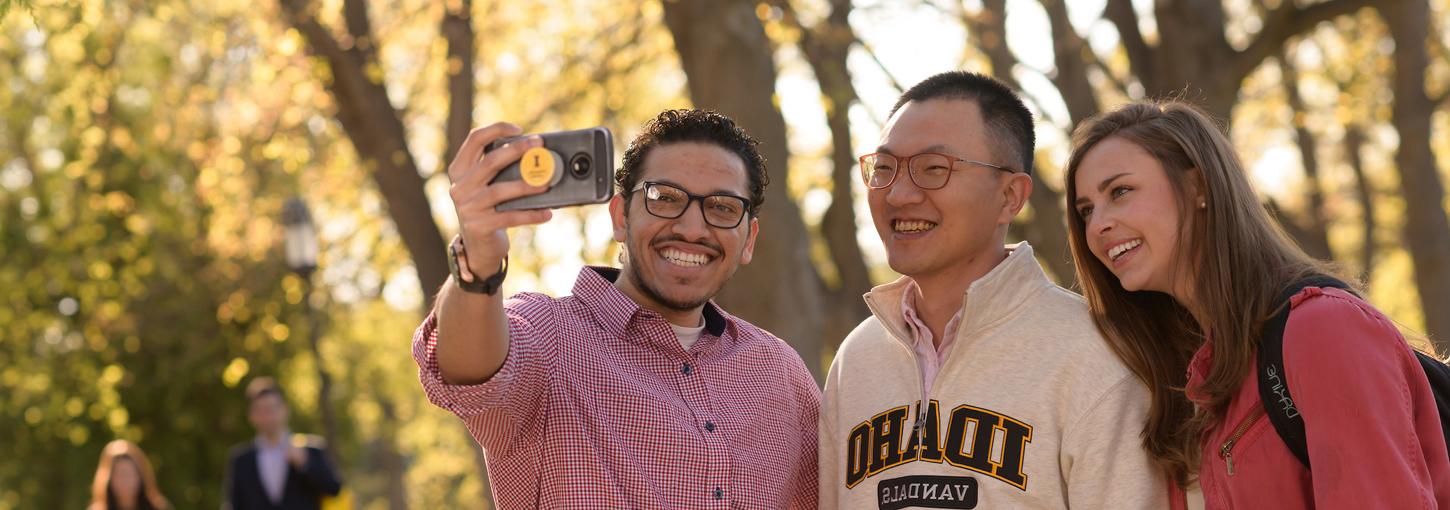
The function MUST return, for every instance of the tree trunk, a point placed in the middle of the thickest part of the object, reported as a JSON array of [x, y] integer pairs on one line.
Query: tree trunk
[[1427, 230], [1353, 144], [1314, 238], [1072, 56], [457, 29], [987, 30], [376, 131], [393, 463], [826, 47], [730, 68], [377, 134], [315, 322], [1196, 62], [1205, 77], [1046, 231]]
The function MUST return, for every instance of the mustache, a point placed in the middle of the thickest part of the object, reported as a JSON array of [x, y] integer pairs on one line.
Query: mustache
[[679, 238]]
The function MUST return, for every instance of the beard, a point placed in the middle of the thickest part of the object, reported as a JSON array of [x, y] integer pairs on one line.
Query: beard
[[650, 291], [654, 294]]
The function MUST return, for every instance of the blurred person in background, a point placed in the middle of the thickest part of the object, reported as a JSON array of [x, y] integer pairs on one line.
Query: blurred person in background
[[124, 480], [278, 470]]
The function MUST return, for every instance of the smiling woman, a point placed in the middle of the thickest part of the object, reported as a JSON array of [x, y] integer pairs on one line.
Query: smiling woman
[[1129, 206], [1182, 267]]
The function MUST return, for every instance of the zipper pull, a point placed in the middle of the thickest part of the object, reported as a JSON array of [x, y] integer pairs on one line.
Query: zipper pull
[[1228, 456], [1226, 451]]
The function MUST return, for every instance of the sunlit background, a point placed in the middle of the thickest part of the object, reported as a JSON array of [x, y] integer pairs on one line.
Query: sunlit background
[[147, 148]]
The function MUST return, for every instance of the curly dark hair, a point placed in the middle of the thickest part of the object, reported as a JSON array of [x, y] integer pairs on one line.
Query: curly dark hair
[[705, 126]]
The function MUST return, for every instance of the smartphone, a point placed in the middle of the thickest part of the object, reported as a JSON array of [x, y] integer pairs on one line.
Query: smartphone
[[577, 166]]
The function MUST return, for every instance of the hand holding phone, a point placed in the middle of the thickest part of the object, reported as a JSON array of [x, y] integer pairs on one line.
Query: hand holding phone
[[502, 180], [476, 196]]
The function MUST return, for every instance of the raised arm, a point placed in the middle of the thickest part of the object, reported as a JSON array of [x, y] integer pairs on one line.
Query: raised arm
[[473, 337]]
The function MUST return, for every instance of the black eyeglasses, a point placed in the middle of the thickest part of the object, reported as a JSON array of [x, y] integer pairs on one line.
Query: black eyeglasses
[[721, 210], [928, 170]]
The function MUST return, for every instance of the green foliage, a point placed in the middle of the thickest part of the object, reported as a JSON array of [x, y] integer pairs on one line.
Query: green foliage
[[145, 151], [127, 311], [5, 6]]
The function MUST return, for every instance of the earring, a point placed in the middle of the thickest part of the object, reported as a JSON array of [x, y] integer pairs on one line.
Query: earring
[[622, 255], [1203, 204]]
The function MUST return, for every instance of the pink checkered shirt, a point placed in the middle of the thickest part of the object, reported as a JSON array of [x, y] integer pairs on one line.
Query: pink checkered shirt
[[598, 406]]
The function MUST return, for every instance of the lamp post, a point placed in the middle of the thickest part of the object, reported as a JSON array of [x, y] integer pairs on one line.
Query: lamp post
[[301, 241], [301, 252]]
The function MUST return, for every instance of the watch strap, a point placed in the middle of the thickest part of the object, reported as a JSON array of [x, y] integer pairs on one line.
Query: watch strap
[[458, 263]]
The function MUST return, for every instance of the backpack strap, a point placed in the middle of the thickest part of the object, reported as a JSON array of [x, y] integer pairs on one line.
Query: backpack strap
[[1438, 373], [1273, 381]]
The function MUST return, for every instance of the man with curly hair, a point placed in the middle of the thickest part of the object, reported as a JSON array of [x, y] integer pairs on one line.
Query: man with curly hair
[[636, 391]]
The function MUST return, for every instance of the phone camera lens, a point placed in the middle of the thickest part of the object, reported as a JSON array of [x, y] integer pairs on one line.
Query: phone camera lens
[[580, 165]]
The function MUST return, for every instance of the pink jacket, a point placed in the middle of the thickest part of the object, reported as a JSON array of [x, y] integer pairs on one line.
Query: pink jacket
[[1373, 432]]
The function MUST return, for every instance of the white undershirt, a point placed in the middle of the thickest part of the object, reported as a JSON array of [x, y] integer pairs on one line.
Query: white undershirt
[[1195, 497], [688, 336]]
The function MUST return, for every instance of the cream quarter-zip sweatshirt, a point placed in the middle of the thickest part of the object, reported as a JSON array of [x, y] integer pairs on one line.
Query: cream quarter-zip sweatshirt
[[1031, 409]]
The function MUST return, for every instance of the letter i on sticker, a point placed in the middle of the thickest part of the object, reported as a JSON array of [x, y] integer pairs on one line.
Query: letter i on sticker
[[538, 166]]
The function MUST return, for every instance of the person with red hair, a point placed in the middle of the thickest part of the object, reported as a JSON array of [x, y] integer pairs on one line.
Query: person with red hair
[[124, 480]]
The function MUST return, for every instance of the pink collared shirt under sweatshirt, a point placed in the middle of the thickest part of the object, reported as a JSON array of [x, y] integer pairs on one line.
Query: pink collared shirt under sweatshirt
[[929, 355], [1372, 428]]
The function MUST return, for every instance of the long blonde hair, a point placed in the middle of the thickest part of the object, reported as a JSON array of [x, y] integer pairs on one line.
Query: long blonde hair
[[1240, 257], [150, 493]]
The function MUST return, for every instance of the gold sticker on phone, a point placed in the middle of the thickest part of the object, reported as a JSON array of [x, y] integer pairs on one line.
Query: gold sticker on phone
[[539, 166]]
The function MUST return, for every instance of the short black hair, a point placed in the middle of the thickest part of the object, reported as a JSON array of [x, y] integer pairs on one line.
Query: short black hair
[[691, 125], [263, 386], [1006, 116]]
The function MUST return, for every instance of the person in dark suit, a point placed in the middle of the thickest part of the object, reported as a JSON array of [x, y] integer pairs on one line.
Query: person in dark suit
[[278, 470]]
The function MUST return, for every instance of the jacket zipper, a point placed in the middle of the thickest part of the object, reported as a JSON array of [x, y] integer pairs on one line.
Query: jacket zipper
[[922, 405], [1226, 451]]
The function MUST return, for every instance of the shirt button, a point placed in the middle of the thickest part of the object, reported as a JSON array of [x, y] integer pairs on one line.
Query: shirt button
[[685, 369], [709, 427], [719, 494]]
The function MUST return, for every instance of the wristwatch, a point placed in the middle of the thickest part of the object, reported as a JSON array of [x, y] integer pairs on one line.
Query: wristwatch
[[458, 263]]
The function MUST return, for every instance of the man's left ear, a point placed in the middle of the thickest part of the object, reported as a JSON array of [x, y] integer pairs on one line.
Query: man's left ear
[[617, 217], [1015, 191], [749, 251]]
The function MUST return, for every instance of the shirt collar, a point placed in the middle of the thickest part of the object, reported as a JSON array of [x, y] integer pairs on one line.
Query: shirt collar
[[994, 297], [262, 443], [918, 327], [1198, 369], [614, 310]]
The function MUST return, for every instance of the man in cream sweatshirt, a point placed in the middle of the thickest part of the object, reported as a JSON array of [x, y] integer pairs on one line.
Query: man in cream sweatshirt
[[976, 382]]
